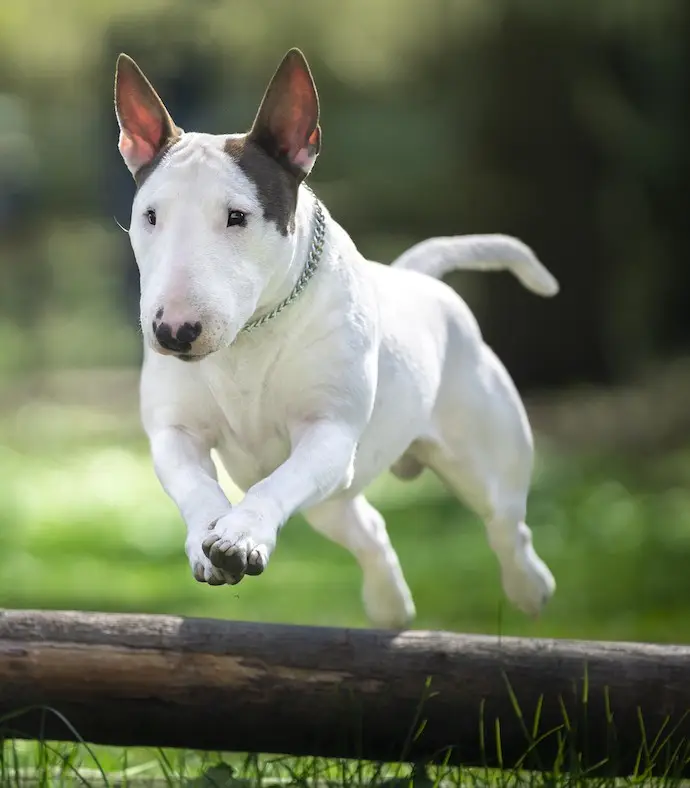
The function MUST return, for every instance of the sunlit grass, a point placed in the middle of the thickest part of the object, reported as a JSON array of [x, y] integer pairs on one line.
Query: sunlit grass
[[84, 524]]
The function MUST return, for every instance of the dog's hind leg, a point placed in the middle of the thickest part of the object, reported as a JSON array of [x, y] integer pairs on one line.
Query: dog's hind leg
[[484, 453], [527, 581], [353, 523]]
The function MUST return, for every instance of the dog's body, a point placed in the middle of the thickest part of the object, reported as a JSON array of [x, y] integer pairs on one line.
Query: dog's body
[[372, 367]]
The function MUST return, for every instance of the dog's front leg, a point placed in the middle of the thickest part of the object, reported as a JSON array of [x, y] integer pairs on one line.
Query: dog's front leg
[[186, 471], [321, 463]]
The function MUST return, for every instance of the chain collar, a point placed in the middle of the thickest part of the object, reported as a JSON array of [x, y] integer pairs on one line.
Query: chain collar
[[313, 259]]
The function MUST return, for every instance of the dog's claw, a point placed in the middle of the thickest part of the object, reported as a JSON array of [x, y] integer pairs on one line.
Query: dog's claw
[[256, 563], [208, 543], [230, 557], [199, 574], [215, 578]]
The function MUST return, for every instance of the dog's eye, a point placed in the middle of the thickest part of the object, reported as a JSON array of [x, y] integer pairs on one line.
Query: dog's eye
[[236, 219], [151, 217]]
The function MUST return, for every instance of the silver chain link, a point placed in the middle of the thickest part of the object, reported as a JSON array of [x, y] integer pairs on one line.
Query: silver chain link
[[308, 271]]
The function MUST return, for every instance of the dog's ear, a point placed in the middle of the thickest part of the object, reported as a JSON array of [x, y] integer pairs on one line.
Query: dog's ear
[[287, 123], [145, 125]]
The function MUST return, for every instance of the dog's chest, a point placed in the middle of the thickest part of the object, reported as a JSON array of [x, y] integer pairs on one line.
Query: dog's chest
[[252, 436]]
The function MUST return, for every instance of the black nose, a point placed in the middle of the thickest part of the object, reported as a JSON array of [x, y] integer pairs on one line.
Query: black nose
[[182, 342]]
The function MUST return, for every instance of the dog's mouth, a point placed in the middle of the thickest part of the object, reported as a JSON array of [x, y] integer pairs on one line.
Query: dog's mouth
[[180, 355], [192, 356]]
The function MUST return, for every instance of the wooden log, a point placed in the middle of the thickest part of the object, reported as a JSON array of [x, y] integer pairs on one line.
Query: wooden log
[[413, 696]]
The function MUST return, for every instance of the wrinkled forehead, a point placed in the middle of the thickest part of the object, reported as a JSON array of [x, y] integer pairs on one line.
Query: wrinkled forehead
[[225, 168]]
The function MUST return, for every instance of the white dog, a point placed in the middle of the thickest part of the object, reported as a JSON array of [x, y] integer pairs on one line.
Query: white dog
[[310, 370]]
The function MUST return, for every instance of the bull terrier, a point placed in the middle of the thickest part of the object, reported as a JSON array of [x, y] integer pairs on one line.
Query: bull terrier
[[309, 369]]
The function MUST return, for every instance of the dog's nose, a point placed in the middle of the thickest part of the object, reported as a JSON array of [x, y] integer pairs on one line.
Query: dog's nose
[[177, 339]]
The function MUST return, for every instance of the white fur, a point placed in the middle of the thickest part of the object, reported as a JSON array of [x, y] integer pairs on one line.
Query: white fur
[[372, 367], [438, 256]]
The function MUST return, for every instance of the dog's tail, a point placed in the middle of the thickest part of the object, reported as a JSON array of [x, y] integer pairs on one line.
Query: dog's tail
[[439, 256]]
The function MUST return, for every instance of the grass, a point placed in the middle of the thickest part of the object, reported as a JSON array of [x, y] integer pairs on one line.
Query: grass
[[661, 760], [78, 764], [85, 525]]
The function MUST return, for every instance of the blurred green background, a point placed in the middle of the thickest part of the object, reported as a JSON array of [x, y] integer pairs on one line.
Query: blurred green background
[[564, 123]]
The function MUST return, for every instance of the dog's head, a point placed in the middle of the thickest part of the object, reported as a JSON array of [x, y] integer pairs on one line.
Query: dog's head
[[213, 216]]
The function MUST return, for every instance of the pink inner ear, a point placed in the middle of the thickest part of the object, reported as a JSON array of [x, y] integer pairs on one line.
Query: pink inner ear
[[142, 124], [305, 156], [135, 151], [286, 125], [302, 158], [144, 120], [299, 119]]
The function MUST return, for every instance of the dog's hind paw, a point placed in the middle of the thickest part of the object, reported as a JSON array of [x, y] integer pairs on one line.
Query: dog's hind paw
[[529, 584], [388, 605]]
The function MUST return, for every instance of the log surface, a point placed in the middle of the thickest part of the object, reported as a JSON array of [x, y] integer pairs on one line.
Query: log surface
[[245, 687]]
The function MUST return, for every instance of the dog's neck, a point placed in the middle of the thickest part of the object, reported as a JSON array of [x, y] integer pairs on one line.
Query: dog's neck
[[283, 287]]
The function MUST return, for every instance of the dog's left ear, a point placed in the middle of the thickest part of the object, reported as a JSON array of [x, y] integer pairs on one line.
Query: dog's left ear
[[287, 123]]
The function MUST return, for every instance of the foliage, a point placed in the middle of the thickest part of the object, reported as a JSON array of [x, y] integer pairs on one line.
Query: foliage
[[564, 124]]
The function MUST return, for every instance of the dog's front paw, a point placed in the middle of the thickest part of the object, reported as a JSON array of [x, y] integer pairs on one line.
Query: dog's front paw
[[202, 569], [239, 544]]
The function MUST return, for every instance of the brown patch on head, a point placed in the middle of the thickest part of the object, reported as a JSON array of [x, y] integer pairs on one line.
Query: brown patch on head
[[284, 140], [145, 170], [277, 188]]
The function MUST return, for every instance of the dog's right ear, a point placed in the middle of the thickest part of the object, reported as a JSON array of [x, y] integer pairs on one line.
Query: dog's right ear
[[145, 124]]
